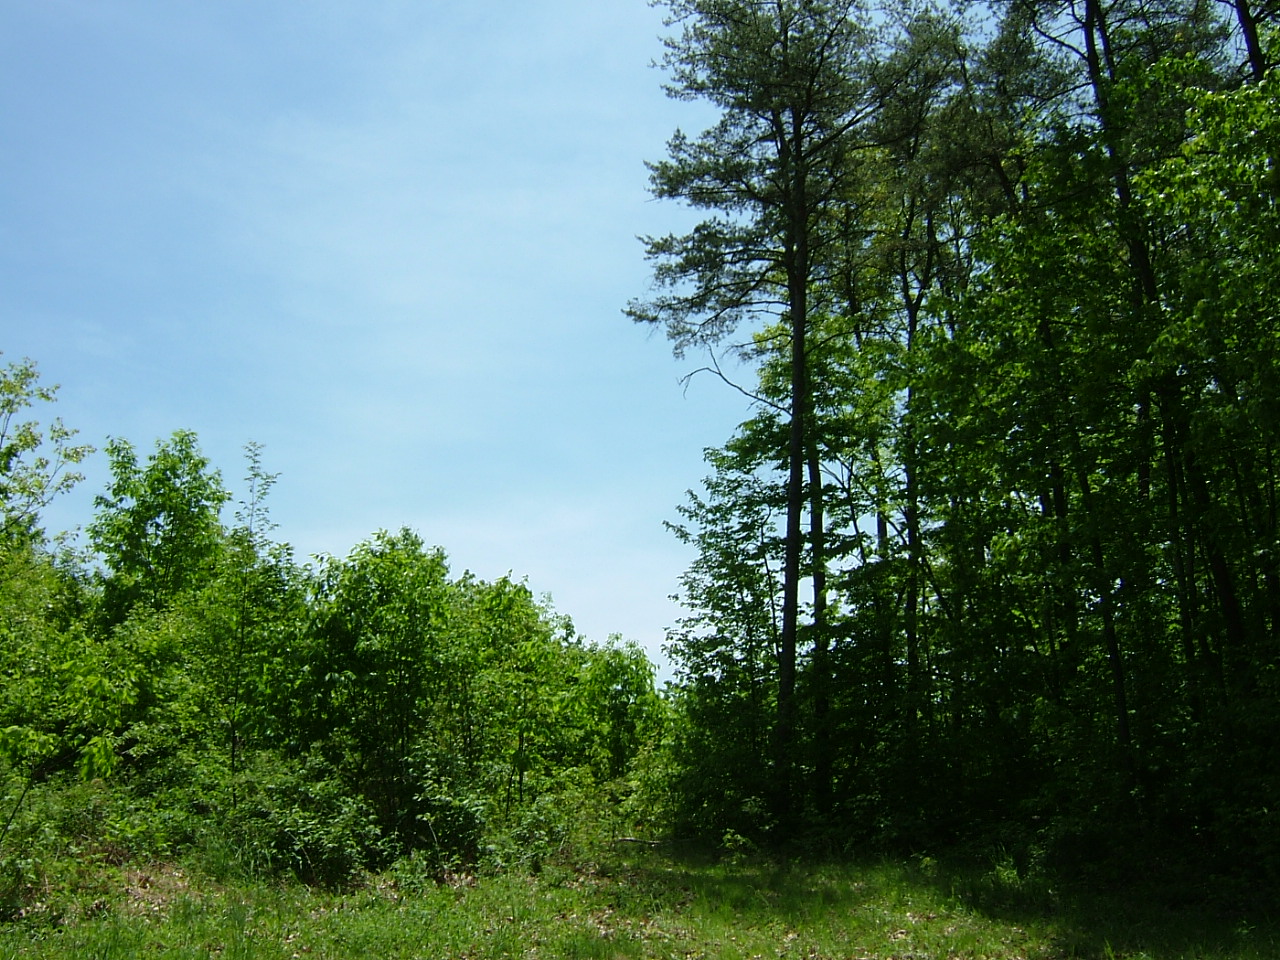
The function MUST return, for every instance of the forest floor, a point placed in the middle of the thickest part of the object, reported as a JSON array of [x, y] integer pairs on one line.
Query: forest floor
[[631, 902]]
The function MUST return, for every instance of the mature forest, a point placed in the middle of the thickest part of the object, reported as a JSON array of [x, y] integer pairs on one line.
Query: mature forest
[[994, 563], [995, 560]]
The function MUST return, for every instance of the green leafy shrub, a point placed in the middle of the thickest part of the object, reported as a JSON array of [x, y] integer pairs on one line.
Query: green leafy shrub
[[451, 830], [295, 819]]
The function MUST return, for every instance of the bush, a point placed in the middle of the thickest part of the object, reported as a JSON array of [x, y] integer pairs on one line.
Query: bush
[[451, 829], [295, 819]]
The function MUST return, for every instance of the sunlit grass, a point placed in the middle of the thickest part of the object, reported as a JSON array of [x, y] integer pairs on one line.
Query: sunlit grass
[[638, 905]]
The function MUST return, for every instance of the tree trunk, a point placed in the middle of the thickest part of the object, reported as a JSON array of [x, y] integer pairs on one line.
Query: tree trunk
[[820, 668]]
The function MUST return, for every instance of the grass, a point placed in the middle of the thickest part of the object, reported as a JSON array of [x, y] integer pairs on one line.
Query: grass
[[627, 903]]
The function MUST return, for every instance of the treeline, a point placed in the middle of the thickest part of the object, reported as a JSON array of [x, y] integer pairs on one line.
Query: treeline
[[184, 687], [997, 558], [995, 562]]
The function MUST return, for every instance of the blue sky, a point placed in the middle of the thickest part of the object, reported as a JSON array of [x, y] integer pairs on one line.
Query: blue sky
[[391, 242]]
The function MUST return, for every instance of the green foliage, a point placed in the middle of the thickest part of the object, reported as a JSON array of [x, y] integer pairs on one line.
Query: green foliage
[[614, 705], [157, 528], [449, 704], [33, 469], [992, 568], [63, 696], [380, 664], [265, 719], [1039, 527], [290, 818]]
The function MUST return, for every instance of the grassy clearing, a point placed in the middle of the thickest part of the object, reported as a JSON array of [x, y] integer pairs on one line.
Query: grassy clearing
[[629, 904]]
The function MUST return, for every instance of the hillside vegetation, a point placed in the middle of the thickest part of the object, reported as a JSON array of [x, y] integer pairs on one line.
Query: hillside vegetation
[[986, 588]]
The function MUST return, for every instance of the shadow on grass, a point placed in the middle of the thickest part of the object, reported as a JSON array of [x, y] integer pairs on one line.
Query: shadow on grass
[[1146, 910], [1149, 915]]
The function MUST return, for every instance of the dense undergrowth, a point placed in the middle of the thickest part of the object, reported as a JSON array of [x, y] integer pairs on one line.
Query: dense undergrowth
[[596, 897], [92, 870]]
